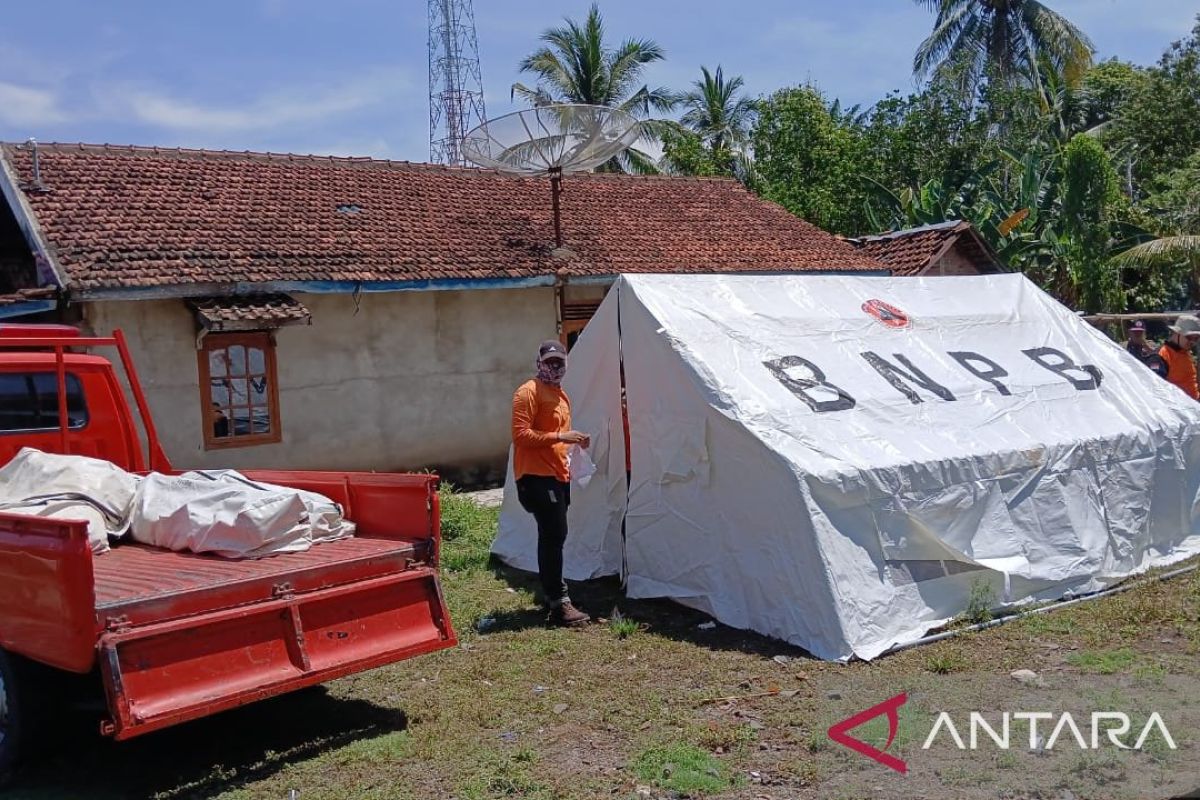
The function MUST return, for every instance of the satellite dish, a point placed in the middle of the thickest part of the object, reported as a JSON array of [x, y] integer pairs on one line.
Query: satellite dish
[[551, 141]]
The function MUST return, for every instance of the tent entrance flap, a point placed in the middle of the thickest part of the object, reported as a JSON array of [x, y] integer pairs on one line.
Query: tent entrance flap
[[616, 291]]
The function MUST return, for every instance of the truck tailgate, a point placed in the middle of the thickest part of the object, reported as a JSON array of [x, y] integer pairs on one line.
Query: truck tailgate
[[187, 635]]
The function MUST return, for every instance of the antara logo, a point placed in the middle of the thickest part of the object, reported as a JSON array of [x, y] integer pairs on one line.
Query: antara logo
[[1107, 728], [839, 732], [1114, 725]]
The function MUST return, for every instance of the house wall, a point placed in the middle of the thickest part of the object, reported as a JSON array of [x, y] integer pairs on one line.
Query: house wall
[[412, 380], [954, 262]]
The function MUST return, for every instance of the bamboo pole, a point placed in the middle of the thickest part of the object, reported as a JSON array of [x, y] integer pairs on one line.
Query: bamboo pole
[[1162, 316]]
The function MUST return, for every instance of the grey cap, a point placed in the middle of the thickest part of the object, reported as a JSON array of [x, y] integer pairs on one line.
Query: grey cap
[[1185, 324], [552, 348]]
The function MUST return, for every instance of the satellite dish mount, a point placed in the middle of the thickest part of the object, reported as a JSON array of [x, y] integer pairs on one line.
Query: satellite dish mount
[[556, 174]]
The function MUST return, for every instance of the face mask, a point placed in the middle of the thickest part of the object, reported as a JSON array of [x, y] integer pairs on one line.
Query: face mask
[[551, 372]]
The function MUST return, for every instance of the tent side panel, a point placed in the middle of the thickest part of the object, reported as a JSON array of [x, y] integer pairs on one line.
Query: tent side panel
[[716, 519]]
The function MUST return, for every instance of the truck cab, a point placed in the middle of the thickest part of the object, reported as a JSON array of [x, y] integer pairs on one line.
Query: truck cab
[[99, 421]]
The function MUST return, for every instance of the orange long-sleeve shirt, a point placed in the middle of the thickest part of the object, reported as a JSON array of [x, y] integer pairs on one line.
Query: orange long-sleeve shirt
[[1181, 369], [540, 413]]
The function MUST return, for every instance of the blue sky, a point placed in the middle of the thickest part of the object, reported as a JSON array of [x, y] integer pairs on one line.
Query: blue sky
[[349, 78]]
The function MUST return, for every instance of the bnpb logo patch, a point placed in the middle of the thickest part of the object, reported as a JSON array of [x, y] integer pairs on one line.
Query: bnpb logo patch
[[886, 313]]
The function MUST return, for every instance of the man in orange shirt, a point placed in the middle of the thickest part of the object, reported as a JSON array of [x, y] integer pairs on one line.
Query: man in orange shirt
[[542, 436], [1177, 352]]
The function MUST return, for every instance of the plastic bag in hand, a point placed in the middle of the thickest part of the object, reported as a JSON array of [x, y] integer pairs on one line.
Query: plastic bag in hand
[[581, 465]]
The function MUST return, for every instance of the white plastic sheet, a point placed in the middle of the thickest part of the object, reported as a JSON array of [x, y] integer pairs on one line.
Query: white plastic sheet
[[220, 512], [844, 474], [69, 487], [226, 514]]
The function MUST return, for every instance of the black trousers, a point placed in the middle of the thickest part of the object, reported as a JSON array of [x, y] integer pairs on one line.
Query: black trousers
[[547, 498]]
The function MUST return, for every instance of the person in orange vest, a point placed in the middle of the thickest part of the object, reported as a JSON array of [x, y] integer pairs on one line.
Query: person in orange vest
[[1177, 353], [542, 437]]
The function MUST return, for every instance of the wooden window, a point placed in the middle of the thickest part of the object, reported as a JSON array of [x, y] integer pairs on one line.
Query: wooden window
[[575, 317], [239, 393]]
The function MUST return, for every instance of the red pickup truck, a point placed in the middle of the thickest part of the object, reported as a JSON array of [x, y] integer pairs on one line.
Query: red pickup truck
[[166, 636]]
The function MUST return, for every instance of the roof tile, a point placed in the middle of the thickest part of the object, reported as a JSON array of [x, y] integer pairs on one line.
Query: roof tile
[[908, 252], [234, 312], [129, 217]]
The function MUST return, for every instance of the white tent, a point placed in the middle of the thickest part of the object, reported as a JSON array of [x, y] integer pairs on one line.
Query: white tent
[[842, 462]]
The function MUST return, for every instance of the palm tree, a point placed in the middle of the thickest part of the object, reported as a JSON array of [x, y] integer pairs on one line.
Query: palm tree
[[1177, 249], [1176, 256], [575, 66], [717, 114], [1000, 39]]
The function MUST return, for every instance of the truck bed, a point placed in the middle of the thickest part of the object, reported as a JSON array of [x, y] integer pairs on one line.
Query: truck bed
[[183, 635], [137, 583]]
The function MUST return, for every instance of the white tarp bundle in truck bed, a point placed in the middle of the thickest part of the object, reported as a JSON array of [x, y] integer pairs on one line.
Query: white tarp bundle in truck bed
[[221, 512], [70, 487], [225, 513], [841, 462]]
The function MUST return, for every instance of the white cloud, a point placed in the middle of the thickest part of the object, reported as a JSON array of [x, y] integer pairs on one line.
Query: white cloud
[[20, 63], [268, 112], [24, 105]]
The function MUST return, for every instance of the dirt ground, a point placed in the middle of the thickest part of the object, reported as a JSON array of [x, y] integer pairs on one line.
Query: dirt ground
[[659, 704]]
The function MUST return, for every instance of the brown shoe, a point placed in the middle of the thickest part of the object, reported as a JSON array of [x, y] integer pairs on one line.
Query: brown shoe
[[569, 616]]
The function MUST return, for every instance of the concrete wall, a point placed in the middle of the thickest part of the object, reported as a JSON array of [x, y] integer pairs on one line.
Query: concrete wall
[[413, 380]]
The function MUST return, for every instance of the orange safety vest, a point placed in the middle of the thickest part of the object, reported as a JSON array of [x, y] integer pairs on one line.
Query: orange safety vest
[[1181, 369]]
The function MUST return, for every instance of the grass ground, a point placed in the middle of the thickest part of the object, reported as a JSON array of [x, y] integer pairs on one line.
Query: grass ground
[[652, 705]]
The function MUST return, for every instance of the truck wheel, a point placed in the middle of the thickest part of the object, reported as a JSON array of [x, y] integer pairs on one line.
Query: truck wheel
[[11, 727]]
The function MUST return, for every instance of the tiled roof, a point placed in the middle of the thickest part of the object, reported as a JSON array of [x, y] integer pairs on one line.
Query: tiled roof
[[910, 251], [143, 217], [26, 295], [251, 311]]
